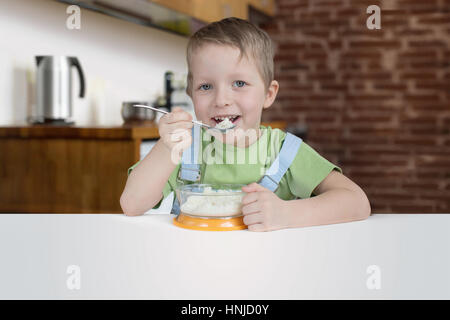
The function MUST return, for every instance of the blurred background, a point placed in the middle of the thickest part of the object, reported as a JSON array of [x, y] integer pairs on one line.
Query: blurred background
[[374, 102]]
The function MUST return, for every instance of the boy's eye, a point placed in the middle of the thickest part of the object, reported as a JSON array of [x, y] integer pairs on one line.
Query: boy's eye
[[239, 83], [205, 87]]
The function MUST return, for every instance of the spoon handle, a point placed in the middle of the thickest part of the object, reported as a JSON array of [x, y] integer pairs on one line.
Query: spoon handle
[[162, 111], [202, 124], [148, 107]]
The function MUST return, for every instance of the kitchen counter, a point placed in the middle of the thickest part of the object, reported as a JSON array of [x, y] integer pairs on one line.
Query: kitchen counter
[[147, 257]]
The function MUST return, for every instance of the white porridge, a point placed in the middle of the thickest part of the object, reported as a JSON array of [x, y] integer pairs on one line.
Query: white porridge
[[213, 203]]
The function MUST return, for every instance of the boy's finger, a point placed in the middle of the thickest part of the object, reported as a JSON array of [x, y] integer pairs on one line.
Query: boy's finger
[[249, 198], [177, 109], [254, 187], [251, 208], [180, 126], [257, 227], [253, 218], [178, 116]]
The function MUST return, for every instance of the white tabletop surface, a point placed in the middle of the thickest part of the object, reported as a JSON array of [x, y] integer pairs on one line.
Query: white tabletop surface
[[147, 257]]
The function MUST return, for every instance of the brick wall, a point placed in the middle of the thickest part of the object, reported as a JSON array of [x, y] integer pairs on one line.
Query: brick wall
[[376, 102]]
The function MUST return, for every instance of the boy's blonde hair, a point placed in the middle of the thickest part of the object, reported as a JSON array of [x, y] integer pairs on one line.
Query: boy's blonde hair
[[238, 33]]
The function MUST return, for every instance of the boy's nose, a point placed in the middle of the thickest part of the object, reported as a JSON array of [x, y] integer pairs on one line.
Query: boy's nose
[[223, 98]]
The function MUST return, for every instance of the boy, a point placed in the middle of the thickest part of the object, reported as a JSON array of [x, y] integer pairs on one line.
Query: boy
[[230, 64]]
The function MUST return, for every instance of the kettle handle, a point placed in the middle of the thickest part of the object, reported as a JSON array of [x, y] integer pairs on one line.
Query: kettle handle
[[74, 62], [39, 59]]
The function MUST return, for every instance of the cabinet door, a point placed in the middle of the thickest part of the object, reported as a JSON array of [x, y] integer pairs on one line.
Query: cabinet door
[[208, 10], [183, 6], [220, 9], [266, 6]]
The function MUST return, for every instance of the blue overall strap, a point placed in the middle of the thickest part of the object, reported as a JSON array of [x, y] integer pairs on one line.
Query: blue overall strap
[[283, 161], [190, 168]]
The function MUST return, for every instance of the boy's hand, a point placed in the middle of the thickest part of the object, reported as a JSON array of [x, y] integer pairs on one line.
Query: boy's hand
[[174, 130], [263, 210]]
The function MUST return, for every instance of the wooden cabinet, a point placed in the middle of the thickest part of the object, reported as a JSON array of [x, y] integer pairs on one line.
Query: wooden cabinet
[[266, 6], [47, 169], [67, 169], [213, 10], [210, 11]]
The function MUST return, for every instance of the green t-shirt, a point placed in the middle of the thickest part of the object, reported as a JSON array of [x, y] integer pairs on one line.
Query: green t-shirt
[[222, 163]]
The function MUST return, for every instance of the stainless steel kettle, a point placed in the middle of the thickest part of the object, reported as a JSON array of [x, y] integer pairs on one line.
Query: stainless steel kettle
[[54, 89]]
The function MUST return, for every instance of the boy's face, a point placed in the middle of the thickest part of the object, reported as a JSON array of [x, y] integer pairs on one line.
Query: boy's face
[[223, 85]]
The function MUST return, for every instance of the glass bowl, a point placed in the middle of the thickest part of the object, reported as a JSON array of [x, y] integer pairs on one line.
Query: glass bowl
[[211, 200]]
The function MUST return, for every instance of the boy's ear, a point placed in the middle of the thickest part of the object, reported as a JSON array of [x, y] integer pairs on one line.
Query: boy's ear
[[271, 94]]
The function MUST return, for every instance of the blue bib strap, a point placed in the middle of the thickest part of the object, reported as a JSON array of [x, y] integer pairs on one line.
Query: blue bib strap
[[283, 161]]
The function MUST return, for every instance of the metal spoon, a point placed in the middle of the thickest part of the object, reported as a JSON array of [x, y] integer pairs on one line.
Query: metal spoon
[[193, 121]]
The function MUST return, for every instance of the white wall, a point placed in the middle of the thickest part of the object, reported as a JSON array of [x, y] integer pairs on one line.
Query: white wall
[[122, 61]]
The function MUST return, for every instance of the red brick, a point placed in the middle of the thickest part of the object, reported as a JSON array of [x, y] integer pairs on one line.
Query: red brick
[[327, 3], [310, 55], [334, 86], [390, 86], [409, 208], [375, 44], [356, 54], [372, 131], [322, 97], [365, 3], [430, 84], [300, 26], [417, 75], [292, 46], [293, 67], [393, 12], [414, 141], [419, 53], [290, 5], [426, 43], [333, 23], [436, 196], [327, 76], [431, 107], [394, 22], [440, 19], [368, 97], [414, 32], [433, 160], [285, 56], [421, 98], [393, 195], [374, 66], [317, 14]]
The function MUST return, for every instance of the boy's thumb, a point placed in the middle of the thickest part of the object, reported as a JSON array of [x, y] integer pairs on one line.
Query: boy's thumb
[[253, 187]]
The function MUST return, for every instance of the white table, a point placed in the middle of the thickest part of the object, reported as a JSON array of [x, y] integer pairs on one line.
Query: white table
[[147, 257]]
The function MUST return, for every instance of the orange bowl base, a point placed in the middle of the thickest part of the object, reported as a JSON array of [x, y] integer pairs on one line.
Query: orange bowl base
[[209, 224]]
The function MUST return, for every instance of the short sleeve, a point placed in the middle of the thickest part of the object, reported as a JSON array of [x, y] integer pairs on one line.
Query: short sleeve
[[168, 187], [132, 167], [307, 171]]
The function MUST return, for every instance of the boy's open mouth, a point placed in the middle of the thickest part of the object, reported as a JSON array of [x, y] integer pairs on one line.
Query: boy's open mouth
[[221, 118]]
